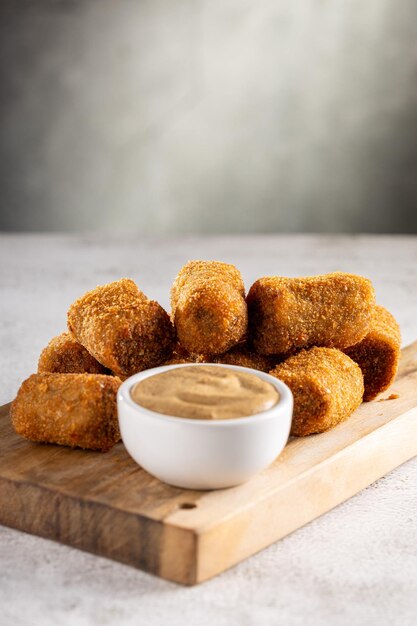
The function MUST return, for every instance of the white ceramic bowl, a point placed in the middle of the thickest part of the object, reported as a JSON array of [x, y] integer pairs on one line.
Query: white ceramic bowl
[[203, 454]]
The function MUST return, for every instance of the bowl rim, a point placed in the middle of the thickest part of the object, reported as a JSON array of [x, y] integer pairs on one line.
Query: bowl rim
[[285, 401]]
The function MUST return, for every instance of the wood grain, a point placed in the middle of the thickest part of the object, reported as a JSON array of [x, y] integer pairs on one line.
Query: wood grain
[[106, 504]]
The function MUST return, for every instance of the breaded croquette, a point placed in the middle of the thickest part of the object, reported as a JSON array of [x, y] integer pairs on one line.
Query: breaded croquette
[[238, 355], [65, 355], [77, 410], [327, 387], [286, 314], [208, 307], [378, 353], [243, 356], [180, 356], [121, 328]]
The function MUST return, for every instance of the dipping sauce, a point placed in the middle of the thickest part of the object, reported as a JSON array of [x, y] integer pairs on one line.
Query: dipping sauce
[[205, 392]]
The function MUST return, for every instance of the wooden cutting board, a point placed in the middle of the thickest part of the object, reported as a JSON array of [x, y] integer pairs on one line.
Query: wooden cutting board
[[106, 504]]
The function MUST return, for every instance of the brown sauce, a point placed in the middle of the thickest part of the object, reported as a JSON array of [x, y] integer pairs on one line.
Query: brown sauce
[[205, 392]]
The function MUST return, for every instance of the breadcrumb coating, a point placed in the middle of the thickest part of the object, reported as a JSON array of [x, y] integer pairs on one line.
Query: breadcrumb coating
[[240, 355], [77, 410], [331, 310], [121, 328], [327, 387], [180, 356], [208, 307], [378, 353], [243, 356], [65, 355]]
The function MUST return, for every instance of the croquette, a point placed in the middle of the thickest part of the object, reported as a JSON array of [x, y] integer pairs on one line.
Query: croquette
[[208, 307], [243, 356], [179, 357], [77, 410], [124, 330], [378, 353], [287, 314], [65, 355], [327, 387]]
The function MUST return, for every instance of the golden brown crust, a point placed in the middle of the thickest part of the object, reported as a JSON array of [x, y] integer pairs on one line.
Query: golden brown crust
[[240, 355], [378, 353], [243, 356], [180, 355], [65, 355], [121, 328], [208, 307], [327, 387], [77, 410], [286, 314]]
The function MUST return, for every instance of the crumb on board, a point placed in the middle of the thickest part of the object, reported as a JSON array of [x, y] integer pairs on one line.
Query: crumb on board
[[392, 396]]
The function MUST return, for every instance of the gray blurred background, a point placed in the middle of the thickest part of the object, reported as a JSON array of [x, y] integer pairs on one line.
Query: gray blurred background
[[208, 116]]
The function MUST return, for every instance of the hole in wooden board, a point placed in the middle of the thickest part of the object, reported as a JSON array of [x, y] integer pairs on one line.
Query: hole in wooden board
[[187, 505]]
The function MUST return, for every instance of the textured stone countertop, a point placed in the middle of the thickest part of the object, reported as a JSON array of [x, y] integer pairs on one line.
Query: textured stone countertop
[[354, 565]]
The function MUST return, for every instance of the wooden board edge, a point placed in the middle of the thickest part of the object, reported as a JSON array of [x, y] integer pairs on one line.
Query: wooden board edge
[[158, 548], [319, 490], [5, 408]]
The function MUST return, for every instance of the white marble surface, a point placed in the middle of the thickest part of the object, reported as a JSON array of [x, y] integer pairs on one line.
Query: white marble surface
[[355, 565]]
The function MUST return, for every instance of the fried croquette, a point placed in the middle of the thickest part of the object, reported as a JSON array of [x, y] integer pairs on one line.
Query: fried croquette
[[378, 353], [77, 410], [65, 355], [208, 307], [124, 330], [327, 387], [245, 357], [287, 314], [240, 355], [180, 356]]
